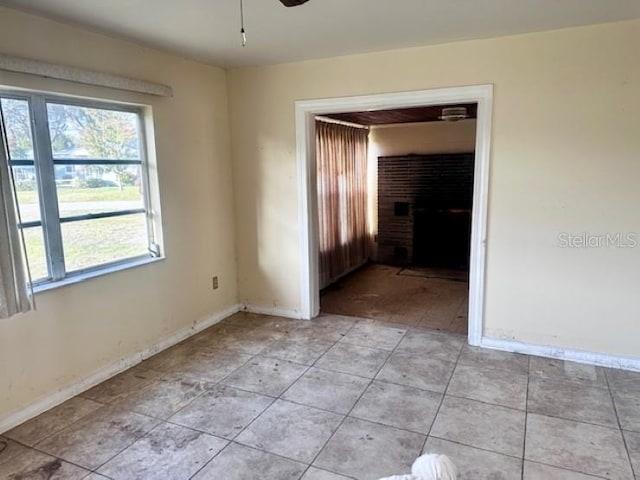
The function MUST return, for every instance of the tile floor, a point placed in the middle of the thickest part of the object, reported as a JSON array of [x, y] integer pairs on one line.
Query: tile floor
[[333, 399], [379, 292]]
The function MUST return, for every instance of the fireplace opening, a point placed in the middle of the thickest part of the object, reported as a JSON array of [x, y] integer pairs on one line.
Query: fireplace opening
[[424, 210]]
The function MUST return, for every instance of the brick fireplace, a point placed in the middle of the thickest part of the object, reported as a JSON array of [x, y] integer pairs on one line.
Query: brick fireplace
[[424, 210]]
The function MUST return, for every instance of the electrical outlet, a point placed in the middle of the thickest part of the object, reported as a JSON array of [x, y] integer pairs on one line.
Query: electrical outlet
[[214, 282]]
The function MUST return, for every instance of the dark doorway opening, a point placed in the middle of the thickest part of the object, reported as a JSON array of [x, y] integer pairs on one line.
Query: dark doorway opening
[[422, 199]]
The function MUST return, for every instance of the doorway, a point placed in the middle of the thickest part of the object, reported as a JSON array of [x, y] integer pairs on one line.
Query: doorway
[[420, 166], [308, 208]]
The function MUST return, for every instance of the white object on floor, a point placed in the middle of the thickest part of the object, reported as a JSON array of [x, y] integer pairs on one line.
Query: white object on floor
[[430, 467]]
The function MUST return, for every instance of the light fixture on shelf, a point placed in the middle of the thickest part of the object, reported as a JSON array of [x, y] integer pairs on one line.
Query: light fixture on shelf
[[453, 114]]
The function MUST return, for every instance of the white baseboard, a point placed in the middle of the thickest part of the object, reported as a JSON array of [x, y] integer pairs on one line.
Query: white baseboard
[[275, 311], [16, 418], [580, 356]]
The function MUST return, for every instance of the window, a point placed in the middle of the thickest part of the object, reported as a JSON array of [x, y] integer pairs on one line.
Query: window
[[81, 178]]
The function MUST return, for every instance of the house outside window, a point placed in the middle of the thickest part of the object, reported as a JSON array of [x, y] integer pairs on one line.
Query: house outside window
[[82, 183]]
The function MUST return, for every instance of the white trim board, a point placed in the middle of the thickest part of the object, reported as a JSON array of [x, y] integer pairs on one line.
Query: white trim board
[[40, 406], [307, 110], [579, 356], [11, 63], [273, 311]]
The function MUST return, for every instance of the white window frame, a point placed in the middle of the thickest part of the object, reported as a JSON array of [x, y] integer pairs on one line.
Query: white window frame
[[44, 166]]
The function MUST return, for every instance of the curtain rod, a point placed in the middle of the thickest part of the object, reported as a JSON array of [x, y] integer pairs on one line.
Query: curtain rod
[[80, 75], [340, 122]]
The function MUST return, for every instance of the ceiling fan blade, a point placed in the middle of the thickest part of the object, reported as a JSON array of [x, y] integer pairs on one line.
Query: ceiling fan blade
[[293, 3]]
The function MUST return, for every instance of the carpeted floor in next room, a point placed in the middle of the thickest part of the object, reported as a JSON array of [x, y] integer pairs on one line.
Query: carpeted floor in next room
[[333, 399]]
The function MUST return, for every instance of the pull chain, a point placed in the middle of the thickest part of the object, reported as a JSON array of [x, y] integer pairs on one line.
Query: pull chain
[[242, 32]]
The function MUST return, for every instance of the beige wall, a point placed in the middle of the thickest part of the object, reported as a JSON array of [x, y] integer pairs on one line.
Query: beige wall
[[564, 158], [414, 138], [84, 327], [423, 138]]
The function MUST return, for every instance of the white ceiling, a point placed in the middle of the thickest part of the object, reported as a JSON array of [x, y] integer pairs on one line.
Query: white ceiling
[[208, 30]]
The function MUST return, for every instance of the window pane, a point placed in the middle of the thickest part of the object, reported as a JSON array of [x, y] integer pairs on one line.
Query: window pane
[[91, 133], [89, 243], [36, 255], [18, 127], [27, 190], [99, 188]]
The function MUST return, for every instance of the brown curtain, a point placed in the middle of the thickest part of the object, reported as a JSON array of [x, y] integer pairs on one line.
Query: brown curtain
[[341, 158]]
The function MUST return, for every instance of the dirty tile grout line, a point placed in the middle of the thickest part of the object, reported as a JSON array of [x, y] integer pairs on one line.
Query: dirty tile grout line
[[406, 329], [526, 417], [348, 415], [213, 384], [54, 457], [159, 419], [456, 363], [624, 440], [356, 321], [90, 470], [165, 420], [275, 399], [351, 415], [44, 453], [564, 469], [522, 458], [444, 394]]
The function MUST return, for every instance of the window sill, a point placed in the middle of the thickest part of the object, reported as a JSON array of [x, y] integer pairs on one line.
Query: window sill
[[99, 272]]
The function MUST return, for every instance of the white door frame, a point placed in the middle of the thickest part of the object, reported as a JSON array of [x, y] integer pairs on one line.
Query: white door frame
[[307, 110]]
